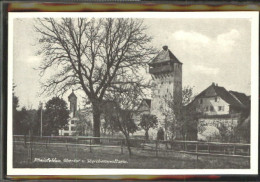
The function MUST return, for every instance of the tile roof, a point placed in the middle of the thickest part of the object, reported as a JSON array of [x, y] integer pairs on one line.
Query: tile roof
[[233, 98], [243, 98], [164, 56], [226, 96]]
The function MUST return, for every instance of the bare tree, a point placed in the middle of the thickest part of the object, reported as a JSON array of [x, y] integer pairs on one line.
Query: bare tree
[[122, 109], [89, 54]]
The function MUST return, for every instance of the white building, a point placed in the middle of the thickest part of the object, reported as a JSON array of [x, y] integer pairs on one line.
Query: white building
[[219, 108]]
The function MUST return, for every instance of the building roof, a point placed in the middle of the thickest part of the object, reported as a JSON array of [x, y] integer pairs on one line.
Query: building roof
[[148, 102], [164, 56], [233, 98], [72, 95], [243, 98], [226, 96]]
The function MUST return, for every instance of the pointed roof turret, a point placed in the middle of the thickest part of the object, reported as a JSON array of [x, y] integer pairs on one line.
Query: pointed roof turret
[[165, 56], [72, 95]]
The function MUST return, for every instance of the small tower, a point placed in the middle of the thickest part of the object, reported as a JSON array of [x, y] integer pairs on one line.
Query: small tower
[[73, 103], [166, 71]]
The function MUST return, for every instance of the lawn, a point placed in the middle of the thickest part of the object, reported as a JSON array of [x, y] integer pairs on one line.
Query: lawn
[[80, 157]]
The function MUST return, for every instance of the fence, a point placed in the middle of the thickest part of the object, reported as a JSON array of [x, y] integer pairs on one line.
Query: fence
[[214, 149]]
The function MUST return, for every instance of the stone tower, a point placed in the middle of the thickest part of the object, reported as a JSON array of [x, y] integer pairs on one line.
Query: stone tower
[[166, 71], [73, 103]]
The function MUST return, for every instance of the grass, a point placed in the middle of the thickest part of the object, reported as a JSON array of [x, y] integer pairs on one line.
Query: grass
[[101, 157]]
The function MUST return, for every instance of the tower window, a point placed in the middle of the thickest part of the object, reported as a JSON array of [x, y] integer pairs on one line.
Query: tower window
[[216, 99], [207, 108], [211, 108]]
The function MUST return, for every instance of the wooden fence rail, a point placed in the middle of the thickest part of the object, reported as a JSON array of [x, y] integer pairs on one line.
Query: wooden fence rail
[[197, 148]]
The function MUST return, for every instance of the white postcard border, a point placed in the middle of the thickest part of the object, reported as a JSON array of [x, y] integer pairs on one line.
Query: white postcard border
[[254, 16]]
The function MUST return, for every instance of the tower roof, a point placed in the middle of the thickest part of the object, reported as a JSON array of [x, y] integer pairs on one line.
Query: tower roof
[[164, 56], [72, 95]]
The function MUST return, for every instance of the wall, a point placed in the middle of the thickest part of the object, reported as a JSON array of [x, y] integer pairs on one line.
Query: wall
[[208, 102], [213, 125], [167, 87]]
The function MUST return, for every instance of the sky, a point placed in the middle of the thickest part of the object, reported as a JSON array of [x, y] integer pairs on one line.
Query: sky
[[211, 50]]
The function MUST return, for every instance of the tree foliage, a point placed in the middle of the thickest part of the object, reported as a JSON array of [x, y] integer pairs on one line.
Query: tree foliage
[[121, 109], [118, 119], [187, 95], [55, 116], [180, 117], [148, 121], [243, 129], [16, 119], [24, 120], [83, 125], [91, 54]]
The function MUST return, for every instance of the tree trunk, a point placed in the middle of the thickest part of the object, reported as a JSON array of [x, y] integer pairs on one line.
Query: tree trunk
[[128, 145], [96, 121], [146, 135]]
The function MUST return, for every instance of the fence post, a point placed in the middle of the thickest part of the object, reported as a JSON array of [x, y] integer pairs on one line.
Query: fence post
[[185, 144], [25, 145], [46, 142], [90, 145], [197, 156], [122, 147], [234, 150], [156, 145], [28, 157], [67, 144], [31, 148], [14, 142], [249, 155]]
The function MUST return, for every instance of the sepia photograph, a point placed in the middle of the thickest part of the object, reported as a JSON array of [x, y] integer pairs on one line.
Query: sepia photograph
[[133, 93]]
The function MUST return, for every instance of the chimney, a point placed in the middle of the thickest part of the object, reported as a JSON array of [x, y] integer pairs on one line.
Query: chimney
[[216, 84], [213, 83], [165, 47]]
